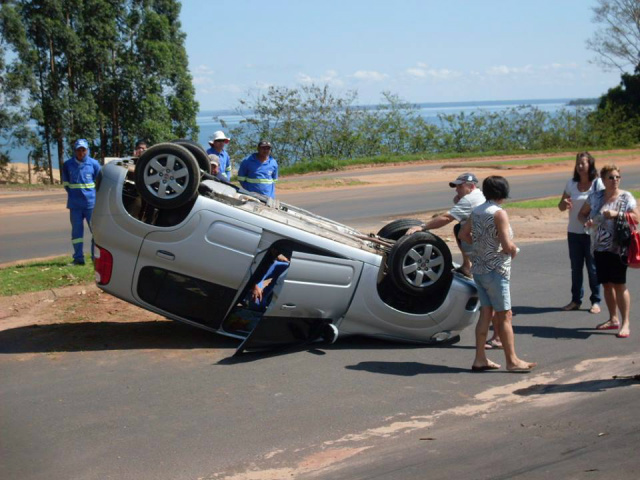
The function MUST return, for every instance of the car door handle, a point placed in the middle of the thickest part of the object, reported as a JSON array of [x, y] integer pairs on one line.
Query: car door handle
[[166, 255], [288, 306]]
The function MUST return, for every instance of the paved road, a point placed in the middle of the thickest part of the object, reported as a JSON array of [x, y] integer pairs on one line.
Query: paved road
[[163, 401], [48, 233]]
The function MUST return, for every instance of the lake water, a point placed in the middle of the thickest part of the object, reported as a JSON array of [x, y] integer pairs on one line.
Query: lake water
[[210, 120]]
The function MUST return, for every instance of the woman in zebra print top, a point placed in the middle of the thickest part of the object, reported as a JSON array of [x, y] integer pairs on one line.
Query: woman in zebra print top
[[489, 230]]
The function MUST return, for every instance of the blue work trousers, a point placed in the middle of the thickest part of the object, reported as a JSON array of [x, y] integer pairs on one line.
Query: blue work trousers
[[580, 254], [77, 217]]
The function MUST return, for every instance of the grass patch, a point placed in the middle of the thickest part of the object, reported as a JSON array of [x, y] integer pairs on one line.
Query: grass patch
[[549, 202], [29, 186], [329, 164], [43, 275], [524, 162]]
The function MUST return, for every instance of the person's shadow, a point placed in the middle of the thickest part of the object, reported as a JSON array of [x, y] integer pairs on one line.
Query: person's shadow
[[404, 369], [588, 386]]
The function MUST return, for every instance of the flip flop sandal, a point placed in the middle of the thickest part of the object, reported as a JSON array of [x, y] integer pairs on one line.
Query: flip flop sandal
[[608, 326]]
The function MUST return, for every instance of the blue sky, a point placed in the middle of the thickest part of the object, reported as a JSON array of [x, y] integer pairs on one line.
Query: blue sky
[[423, 51]]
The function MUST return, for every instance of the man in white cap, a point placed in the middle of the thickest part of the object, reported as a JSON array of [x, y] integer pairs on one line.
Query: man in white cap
[[468, 196], [78, 178], [217, 143]]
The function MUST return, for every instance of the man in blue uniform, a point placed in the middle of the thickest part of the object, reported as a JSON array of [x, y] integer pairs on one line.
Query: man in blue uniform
[[259, 171], [217, 148], [78, 178]]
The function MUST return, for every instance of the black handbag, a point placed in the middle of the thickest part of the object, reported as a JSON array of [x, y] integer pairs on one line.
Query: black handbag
[[622, 234]]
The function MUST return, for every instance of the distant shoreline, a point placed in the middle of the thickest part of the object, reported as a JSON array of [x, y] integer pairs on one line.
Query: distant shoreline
[[210, 120]]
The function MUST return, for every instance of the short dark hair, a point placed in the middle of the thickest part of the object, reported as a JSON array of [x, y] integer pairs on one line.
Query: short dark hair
[[593, 173], [139, 143], [495, 187]]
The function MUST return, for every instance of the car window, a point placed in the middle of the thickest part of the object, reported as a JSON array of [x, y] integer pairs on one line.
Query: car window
[[190, 298]]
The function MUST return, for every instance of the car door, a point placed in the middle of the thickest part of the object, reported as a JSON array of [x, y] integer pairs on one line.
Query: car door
[[315, 291], [193, 272]]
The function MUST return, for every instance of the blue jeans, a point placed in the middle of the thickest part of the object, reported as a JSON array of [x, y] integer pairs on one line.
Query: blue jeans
[[579, 254]]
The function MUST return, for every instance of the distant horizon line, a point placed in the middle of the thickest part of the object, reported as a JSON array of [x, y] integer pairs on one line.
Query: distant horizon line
[[523, 101]]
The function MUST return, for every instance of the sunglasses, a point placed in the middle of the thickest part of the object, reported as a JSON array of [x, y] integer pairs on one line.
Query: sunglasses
[[614, 177]]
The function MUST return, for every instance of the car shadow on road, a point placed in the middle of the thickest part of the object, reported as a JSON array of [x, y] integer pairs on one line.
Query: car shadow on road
[[588, 386], [404, 369], [97, 336], [320, 348]]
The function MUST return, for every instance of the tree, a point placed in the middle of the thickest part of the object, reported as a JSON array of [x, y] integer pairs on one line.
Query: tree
[[15, 83], [617, 41], [111, 71]]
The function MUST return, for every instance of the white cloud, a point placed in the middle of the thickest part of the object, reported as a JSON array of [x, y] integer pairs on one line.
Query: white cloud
[[560, 66], [370, 75], [416, 72], [203, 70], [330, 77], [436, 73], [505, 70]]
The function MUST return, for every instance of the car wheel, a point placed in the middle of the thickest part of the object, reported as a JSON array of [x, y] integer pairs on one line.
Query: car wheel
[[199, 153], [420, 263], [396, 229], [167, 175]]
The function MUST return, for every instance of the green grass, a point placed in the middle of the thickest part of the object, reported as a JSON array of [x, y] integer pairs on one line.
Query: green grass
[[327, 164], [29, 186], [551, 202], [43, 275], [523, 162]]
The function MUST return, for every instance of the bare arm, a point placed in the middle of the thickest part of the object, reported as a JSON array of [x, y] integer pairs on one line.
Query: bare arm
[[583, 214], [502, 226], [565, 202], [437, 222], [465, 232]]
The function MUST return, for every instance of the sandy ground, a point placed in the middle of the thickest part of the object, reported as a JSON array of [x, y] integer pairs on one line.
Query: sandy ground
[[19, 172], [88, 304]]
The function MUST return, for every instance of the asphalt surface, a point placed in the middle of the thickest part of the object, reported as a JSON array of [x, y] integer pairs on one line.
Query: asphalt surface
[[166, 401], [43, 234]]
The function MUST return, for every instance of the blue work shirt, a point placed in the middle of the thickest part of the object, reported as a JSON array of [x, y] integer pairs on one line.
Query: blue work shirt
[[79, 180], [257, 176], [225, 161]]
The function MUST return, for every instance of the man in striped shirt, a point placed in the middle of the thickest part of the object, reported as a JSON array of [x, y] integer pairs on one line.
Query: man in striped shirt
[[259, 171], [79, 175]]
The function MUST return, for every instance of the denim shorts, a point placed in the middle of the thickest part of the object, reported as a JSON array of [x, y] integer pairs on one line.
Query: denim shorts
[[493, 290]]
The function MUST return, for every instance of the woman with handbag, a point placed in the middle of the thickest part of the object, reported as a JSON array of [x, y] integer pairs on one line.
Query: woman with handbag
[[584, 182], [599, 214]]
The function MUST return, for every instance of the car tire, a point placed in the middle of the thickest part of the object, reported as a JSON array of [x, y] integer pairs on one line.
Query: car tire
[[330, 333], [420, 264], [199, 153], [167, 160], [396, 229]]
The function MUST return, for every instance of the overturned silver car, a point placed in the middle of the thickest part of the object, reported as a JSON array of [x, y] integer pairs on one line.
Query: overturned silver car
[[176, 241]]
